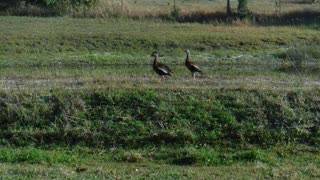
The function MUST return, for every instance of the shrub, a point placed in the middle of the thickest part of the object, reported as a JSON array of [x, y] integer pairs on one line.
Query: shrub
[[128, 156], [5, 4], [243, 9], [46, 7], [175, 13]]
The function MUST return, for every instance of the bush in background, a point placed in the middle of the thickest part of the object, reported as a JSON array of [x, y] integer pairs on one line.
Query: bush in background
[[5, 4], [44, 7]]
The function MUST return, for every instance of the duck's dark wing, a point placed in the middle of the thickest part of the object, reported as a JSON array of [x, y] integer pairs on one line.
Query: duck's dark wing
[[192, 67], [166, 67], [195, 67]]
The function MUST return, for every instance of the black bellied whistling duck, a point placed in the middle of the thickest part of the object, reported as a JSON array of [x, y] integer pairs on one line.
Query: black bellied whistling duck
[[191, 66], [161, 69]]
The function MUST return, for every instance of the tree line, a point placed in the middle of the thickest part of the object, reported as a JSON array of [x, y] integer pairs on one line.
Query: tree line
[[4, 4]]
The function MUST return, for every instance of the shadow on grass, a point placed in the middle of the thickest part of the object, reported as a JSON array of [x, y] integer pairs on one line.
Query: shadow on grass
[[301, 70], [307, 17]]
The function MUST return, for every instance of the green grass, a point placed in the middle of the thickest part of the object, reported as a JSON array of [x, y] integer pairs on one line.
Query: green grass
[[136, 118], [80, 94], [99, 163], [141, 171], [217, 76], [85, 53], [47, 41]]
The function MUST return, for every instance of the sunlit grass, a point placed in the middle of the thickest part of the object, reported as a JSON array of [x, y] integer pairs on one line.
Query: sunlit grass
[[59, 39], [216, 76], [78, 95], [90, 163]]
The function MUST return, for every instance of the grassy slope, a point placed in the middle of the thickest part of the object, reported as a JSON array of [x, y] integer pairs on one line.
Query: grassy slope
[[274, 134], [133, 118]]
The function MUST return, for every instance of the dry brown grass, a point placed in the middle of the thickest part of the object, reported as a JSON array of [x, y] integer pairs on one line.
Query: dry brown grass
[[186, 11], [147, 8], [102, 8], [199, 11]]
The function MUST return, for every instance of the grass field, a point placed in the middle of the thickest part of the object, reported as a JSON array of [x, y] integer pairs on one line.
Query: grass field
[[79, 99], [33, 163], [87, 52]]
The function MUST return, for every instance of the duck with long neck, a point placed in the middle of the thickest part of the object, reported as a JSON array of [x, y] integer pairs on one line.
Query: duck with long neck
[[161, 69], [155, 60], [190, 65]]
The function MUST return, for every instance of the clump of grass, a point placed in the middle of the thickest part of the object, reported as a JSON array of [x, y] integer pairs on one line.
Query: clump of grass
[[101, 8], [130, 156], [188, 156], [34, 155], [205, 155], [301, 57]]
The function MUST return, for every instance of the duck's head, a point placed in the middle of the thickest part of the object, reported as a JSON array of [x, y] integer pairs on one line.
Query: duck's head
[[154, 54], [187, 51]]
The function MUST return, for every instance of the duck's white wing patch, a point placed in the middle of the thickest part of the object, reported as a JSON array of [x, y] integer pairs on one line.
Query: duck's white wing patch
[[196, 67], [164, 70]]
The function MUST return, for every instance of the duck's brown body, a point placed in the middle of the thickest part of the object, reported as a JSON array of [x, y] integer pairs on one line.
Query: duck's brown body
[[161, 69], [191, 66]]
